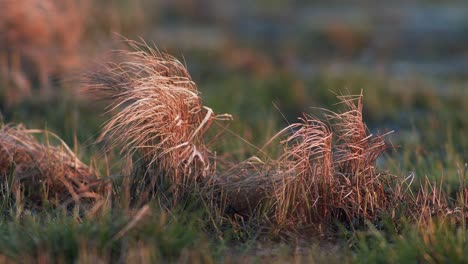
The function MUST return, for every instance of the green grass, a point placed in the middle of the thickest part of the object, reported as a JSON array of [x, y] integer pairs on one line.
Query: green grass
[[430, 140], [158, 236], [436, 243], [429, 118]]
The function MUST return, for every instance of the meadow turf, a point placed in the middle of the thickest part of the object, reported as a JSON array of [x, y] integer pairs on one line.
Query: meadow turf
[[429, 140], [83, 179]]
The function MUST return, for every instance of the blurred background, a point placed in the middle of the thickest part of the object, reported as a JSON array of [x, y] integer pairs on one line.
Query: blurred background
[[263, 61]]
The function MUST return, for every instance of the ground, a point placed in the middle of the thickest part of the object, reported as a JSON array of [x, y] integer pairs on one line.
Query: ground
[[423, 100]]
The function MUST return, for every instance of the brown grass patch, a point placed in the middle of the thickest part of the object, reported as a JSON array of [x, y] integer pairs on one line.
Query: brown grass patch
[[157, 113], [326, 174], [43, 172]]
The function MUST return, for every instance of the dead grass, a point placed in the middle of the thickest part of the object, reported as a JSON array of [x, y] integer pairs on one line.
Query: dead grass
[[431, 202], [156, 112], [326, 174], [329, 175], [43, 173]]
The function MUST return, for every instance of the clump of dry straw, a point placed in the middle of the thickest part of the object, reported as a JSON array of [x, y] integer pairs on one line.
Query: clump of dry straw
[[325, 174], [156, 112], [43, 172], [333, 175], [327, 171]]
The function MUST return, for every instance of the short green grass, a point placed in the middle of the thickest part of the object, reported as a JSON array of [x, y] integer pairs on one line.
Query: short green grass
[[429, 139]]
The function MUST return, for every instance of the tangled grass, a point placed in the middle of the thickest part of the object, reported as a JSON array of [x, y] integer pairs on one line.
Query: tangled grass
[[157, 114], [43, 173], [333, 168], [325, 175]]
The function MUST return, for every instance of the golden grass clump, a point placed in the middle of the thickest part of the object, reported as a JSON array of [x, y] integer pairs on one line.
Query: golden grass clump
[[325, 174], [38, 38], [309, 183], [329, 171], [156, 112], [43, 172]]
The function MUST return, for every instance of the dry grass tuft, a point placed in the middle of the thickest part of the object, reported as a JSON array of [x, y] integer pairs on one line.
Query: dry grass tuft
[[325, 175], [244, 188], [43, 172], [355, 150], [156, 112], [306, 192], [330, 171]]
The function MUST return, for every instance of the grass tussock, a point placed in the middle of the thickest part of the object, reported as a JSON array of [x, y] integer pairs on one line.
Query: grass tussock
[[42, 173], [156, 113], [326, 174]]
